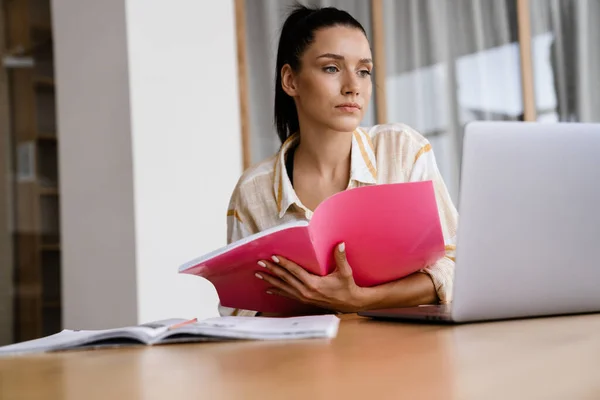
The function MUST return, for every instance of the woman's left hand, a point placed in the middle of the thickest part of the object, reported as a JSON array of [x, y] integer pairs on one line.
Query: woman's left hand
[[336, 291]]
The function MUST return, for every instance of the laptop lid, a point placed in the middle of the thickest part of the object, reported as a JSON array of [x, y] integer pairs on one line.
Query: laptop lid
[[529, 226]]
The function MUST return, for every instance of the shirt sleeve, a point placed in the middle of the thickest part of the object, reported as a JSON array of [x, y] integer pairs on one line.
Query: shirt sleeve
[[238, 226], [236, 230], [441, 272]]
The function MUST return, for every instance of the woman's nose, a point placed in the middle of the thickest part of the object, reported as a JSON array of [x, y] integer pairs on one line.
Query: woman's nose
[[350, 85]]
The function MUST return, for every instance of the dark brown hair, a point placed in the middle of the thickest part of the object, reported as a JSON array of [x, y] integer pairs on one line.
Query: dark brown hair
[[297, 33]]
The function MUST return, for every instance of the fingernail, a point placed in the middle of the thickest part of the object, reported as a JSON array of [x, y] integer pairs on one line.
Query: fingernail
[[258, 275], [269, 292], [274, 258], [341, 247], [262, 264]]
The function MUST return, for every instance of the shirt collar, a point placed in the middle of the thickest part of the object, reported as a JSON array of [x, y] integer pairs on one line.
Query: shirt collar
[[363, 168]]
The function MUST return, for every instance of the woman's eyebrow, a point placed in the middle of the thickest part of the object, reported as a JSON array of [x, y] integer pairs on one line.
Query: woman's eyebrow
[[340, 57]]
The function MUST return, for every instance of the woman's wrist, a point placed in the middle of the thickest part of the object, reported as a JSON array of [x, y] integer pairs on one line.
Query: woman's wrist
[[368, 297], [412, 290]]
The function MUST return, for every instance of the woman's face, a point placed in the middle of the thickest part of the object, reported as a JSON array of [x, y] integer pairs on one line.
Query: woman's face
[[333, 86]]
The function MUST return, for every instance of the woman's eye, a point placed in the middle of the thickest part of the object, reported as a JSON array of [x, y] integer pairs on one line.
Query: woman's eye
[[364, 72], [330, 69]]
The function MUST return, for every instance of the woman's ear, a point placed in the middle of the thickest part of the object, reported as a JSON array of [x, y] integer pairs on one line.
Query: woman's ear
[[288, 80]]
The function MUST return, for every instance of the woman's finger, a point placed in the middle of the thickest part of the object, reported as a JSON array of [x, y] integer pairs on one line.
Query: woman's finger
[[284, 275], [278, 283], [300, 273], [282, 293], [278, 292], [342, 262]]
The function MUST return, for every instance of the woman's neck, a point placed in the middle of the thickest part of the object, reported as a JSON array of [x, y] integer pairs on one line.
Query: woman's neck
[[324, 153]]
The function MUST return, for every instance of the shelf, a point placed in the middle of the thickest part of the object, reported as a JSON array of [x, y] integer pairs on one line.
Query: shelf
[[42, 82], [48, 191], [32, 112], [44, 29], [48, 136], [50, 247], [52, 304]]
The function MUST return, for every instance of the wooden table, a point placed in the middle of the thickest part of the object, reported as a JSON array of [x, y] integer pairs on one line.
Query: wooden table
[[550, 358]]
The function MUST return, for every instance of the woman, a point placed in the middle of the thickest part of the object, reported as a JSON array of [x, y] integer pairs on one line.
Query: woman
[[323, 88]]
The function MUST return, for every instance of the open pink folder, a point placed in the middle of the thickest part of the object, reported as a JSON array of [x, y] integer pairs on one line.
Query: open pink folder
[[390, 231]]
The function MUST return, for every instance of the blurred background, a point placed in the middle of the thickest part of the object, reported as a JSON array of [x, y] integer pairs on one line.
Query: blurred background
[[124, 126]]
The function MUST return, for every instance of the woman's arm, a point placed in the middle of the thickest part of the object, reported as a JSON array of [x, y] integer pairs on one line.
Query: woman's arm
[[338, 290], [441, 272], [412, 290]]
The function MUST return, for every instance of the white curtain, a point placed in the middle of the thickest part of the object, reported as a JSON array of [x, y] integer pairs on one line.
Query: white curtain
[[264, 19], [566, 59], [450, 62]]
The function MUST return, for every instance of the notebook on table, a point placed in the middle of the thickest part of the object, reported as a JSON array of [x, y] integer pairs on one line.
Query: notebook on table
[[182, 331]]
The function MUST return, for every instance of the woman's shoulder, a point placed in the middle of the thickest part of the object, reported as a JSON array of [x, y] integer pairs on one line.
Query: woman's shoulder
[[395, 134], [397, 145], [256, 179], [258, 171]]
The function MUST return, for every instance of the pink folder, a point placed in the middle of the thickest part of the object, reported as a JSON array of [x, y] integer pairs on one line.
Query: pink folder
[[390, 231]]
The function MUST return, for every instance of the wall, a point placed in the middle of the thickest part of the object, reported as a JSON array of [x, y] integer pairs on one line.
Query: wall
[[149, 153], [95, 164], [187, 148]]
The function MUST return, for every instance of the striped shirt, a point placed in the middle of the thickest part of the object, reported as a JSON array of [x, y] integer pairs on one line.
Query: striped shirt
[[390, 153]]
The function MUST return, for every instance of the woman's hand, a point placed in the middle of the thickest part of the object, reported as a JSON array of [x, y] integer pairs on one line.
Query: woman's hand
[[336, 291]]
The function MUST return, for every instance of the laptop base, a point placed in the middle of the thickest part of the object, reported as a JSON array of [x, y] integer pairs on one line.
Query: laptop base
[[429, 313]]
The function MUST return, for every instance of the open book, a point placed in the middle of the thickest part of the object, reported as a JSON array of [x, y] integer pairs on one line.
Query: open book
[[390, 231], [182, 331]]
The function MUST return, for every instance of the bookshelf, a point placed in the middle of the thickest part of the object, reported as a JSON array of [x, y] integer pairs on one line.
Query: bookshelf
[[34, 138]]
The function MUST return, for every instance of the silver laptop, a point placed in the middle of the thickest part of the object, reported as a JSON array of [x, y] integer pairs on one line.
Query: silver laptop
[[528, 239]]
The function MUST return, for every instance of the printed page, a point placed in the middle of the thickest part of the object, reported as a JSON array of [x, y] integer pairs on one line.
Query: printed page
[[69, 339], [62, 340], [305, 327]]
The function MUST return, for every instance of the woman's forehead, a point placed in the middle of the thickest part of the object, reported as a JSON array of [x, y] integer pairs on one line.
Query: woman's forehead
[[348, 42]]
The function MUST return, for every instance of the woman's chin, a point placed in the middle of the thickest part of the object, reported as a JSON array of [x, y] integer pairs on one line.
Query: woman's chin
[[345, 124]]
